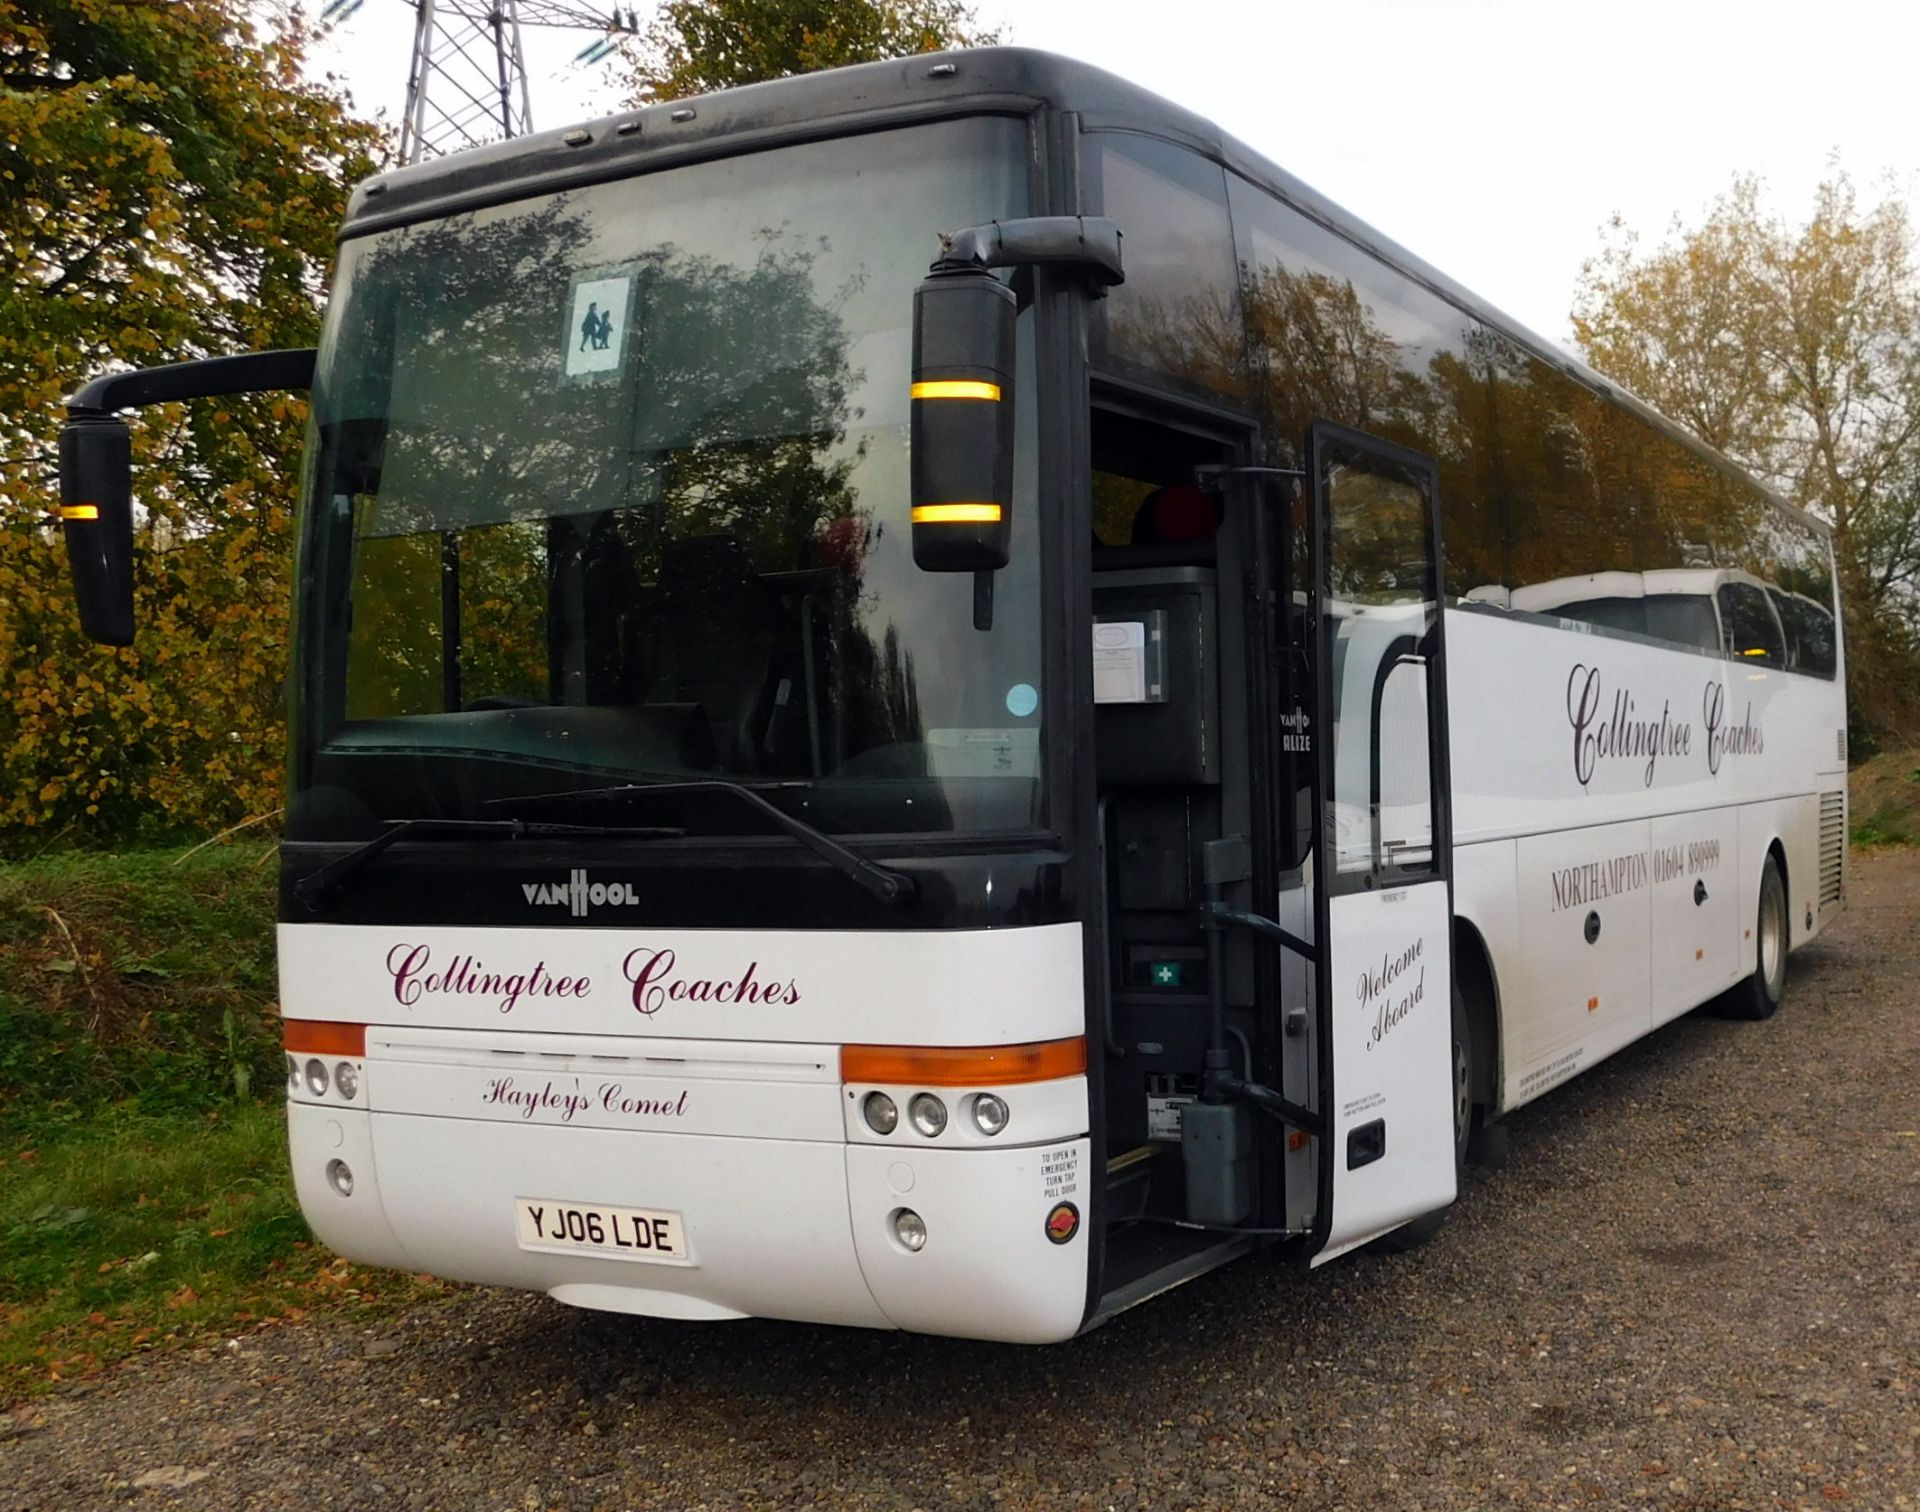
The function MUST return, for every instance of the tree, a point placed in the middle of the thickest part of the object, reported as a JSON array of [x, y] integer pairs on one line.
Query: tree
[[696, 46], [169, 188], [1796, 350]]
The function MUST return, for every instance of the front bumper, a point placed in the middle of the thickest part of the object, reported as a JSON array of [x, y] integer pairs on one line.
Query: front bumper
[[799, 1229]]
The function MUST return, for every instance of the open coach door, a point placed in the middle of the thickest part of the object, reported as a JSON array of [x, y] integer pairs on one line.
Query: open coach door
[[1383, 901]]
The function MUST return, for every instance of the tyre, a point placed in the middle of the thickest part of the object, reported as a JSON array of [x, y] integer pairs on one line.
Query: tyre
[[1758, 997], [1419, 1230]]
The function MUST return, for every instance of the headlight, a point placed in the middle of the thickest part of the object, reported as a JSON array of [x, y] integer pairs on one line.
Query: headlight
[[346, 1080], [317, 1078], [881, 1114], [293, 1074], [910, 1229], [989, 1114], [340, 1177], [928, 1113]]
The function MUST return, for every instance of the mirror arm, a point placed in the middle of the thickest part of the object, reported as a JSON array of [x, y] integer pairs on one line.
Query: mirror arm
[[1088, 242], [203, 378]]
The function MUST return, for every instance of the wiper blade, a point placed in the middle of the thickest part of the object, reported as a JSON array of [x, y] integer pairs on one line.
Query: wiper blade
[[886, 884], [316, 888]]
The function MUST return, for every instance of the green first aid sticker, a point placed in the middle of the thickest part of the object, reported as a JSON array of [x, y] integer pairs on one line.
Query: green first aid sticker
[[1166, 973]]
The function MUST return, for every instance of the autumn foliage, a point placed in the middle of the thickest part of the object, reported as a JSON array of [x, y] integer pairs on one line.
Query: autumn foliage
[[169, 188]]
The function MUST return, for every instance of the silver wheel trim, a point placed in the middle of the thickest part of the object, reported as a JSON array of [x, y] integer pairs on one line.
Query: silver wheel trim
[[1773, 936]]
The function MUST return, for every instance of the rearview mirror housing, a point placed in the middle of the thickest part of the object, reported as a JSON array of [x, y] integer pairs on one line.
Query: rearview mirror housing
[[96, 517], [962, 422]]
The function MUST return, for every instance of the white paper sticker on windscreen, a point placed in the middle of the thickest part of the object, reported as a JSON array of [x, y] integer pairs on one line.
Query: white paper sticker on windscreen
[[1120, 661], [596, 335]]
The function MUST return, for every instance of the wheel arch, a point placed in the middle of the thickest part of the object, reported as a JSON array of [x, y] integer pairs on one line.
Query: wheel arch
[[1479, 984]]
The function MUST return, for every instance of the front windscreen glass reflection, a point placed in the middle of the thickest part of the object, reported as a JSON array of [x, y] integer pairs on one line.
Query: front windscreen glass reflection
[[613, 484]]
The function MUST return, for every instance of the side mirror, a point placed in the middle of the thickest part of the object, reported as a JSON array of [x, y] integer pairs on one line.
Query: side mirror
[[96, 516], [962, 426]]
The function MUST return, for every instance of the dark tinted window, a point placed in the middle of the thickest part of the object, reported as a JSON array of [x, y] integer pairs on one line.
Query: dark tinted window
[[1809, 631], [1747, 621], [1177, 317], [613, 483], [1686, 619], [1332, 334], [1610, 613]]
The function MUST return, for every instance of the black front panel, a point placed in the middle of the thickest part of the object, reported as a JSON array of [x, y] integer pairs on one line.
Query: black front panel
[[752, 885]]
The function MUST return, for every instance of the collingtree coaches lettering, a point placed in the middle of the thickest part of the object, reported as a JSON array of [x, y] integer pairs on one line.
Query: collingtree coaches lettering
[[1620, 735], [655, 984], [410, 966]]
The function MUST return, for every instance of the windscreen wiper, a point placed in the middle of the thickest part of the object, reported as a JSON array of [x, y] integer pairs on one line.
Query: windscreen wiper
[[886, 884], [317, 887]]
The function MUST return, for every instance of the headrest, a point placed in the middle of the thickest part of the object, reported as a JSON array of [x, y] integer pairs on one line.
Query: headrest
[[1177, 513]]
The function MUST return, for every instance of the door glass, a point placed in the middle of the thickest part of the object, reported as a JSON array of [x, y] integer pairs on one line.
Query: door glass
[[1379, 614]]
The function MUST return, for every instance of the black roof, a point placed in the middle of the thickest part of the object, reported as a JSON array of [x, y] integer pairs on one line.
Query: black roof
[[930, 85]]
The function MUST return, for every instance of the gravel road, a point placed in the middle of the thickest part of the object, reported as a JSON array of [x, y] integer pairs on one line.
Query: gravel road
[[1696, 1285]]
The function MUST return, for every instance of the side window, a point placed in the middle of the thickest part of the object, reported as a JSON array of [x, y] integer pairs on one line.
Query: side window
[[1810, 638], [1333, 334], [1748, 623], [1177, 317], [1685, 619]]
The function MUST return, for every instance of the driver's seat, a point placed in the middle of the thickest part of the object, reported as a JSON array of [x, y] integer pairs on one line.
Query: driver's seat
[[719, 625]]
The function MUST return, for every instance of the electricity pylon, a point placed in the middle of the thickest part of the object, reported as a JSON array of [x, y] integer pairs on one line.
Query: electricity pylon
[[467, 83]]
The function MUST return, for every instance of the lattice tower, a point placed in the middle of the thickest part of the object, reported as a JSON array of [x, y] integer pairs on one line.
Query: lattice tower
[[467, 82]]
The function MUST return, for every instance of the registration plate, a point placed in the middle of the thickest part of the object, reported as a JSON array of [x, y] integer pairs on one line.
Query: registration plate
[[570, 1228]]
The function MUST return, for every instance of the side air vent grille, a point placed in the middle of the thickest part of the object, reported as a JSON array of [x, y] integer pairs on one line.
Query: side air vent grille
[[1833, 845], [1841, 742]]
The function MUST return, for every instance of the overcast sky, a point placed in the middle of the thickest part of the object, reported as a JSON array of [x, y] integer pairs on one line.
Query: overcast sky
[[1493, 137]]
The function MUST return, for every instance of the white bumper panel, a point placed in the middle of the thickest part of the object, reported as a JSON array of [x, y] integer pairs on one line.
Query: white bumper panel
[[354, 1226], [766, 1220], [989, 1269], [775, 1228]]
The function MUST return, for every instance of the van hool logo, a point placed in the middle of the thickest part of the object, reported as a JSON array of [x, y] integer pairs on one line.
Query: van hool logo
[[1618, 730], [577, 894]]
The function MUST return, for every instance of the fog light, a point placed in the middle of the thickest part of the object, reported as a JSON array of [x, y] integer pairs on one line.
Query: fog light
[[910, 1229], [340, 1177], [989, 1114], [293, 1074], [880, 1113], [928, 1113], [346, 1080], [317, 1078]]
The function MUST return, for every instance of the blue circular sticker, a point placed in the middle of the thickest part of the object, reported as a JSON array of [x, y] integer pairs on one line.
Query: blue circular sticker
[[1022, 700]]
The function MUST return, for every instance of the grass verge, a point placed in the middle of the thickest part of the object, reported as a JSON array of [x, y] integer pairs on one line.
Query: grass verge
[[1883, 799], [144, 1195]]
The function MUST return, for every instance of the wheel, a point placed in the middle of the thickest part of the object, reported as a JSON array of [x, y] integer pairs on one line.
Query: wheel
[[1758, 997], [1419, 1230]]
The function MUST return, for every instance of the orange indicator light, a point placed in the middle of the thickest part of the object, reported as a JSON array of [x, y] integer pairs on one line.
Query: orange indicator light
[[318, 1037], [964, 1065]]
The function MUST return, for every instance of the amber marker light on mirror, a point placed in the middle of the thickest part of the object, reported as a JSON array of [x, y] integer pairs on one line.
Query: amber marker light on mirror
[[964, 1065], [78, 511], [956, 514], [954, 388]]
